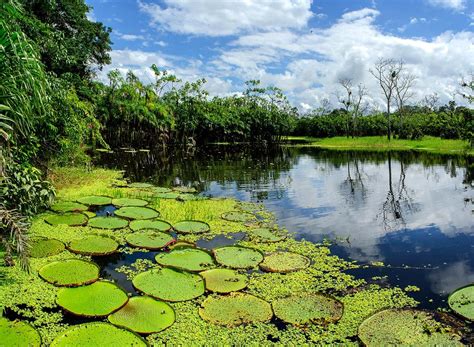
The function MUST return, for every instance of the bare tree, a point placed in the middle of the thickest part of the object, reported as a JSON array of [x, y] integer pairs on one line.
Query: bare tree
[[352, 102], [403, 92], [431, 101], [468, 89]]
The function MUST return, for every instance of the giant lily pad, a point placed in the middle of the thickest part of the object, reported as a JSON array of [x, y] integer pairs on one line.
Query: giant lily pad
[[192, 227], [404, 327], [18, 333], [184, 189], [129, 202], [42, 248], [235, 309], [169, 284], [95, 200], [306, 308], [97, 334], [68, 206], [224, 280], [133, 212], [156, 224], [238, 216], [149, 239], [140, 185], [144, 315], [238, 257], [266, 235], [461, 301], [71, 219], [98, 299], [108, 223], [161, 190], [190, 259], [169, 195], [70, 272], [249, 206], [284, 262], [182, 244], [95, 245]]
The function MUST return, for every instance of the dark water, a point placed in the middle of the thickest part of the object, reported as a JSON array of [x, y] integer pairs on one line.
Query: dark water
[[414, 212]]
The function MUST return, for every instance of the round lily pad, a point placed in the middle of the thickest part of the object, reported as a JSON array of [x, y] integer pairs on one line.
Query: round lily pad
[[190, 259], [238, 257], [161, 190], [169, 284], [69, 272], [95, 200], [134, 212], [284, 262], [68, 206], [156, 224], [184, 189], [308, 308], [409, 327], [140, 185], [235, 309], [238, 216], [42, 248], [182, 244], [169, 195], [71, 219], [108, 223], [461, 301], [224, 280], [95, 245], [265, 235], [90, 214], [98, 299], [18, 333], [144, 315], [189, 197], [149, 239], [129, 202], [97, 334], [248, 206], [192, 227]]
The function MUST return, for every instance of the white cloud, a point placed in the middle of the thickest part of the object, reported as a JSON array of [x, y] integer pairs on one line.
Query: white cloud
[[220, 18], [450, 4], [131, 37]]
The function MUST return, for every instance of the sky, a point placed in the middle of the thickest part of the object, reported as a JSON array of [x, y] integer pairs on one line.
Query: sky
[[303, 47]]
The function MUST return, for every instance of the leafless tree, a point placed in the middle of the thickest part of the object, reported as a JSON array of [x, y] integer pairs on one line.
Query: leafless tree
[[431, 101], [467, 91], [403, 92], [352, 103]]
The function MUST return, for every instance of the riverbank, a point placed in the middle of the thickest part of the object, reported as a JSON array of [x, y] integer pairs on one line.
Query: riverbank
[[381, 143]]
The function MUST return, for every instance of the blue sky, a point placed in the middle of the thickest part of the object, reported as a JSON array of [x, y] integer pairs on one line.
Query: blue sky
[[301, 46]]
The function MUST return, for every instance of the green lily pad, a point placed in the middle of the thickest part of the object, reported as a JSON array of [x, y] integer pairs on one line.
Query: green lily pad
[[18, 333], [169, 195], [68, 206], [238, 216], [169, 284], [98, 299], [140, 185], [284, 262], [237, 257], [190, 197], [70, 272], [407, 327], [42, 248], [95, 200], [149, 239], [235, 309], [71, 219], [90, 214], [108, 223], [461, 301], [133, 212], [184, 189], [95, 245], [182, 244], [161, 190], [97, 334], [224, 280], [190, 259], [156, 224], [248, 206], [144, 315], [129, 202], [265, 235], [191, 227], [308, 308]]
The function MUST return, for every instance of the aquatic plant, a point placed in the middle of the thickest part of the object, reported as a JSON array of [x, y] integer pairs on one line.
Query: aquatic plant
[[265, 235], [95, 200], [284, 262], [149, 239], [70, 272], [191, 227], [93, 245], [224, 280], [156, 224], [43, 247], [238, 257], [108, 223], [461, 301], [238, 216], [134, 212], [68, 206], [189, 259], [129, 202], [70, 218], [18, 333]]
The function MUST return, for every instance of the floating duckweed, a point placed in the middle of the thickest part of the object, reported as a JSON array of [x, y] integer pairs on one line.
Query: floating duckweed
[[235, 309], [70, 218], [461, 301], [190, 259], [144, 315], [70, 272], [184, 189], [149, 239], [408, 327], [97, 334], [169, 284], [161, 190], [42, 248], [306, 308], [129, 202], [224, 280], [17, 333], [265, 235], [237, 257], [248, 206], [156, 224], [98, 299], [169, 195], [68, 206], [133, 212], [140, 185], [95, 200], [95, 245], [238, 216], [192, 227], [108, 223], [284, 262]]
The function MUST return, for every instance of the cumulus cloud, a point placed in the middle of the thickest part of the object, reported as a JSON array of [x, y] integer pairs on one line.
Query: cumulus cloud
[[450, 4]]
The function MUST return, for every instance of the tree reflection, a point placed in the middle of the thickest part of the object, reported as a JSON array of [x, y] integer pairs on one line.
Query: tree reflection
[[353, 187]]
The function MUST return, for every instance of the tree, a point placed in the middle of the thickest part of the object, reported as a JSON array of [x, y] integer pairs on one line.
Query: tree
[[352, 102], [403, 92]]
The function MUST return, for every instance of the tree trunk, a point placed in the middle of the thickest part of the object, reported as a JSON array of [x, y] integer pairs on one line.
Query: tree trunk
[[389, 128]]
